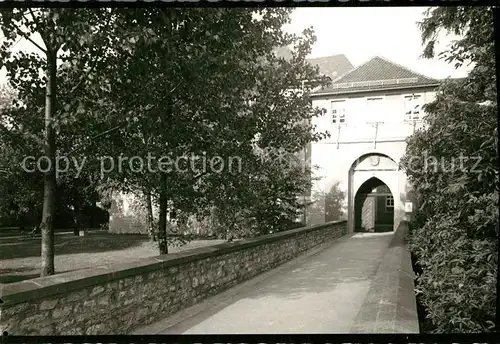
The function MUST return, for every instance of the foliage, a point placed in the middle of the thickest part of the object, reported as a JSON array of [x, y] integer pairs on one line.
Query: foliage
[[281, 186], [21, 125], [327, 206], [75, 37], [265, 196], [251, 80], [455, 239], [134, 82], [21, 191]]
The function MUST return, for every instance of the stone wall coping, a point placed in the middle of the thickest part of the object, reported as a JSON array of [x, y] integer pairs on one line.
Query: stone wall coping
[[42, 287], [391, 296]]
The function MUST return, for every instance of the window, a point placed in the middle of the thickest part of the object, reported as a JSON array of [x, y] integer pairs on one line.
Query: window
[[338, 112], [389, 203], [413, 106]]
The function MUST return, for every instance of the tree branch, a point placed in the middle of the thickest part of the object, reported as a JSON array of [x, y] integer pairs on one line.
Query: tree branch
[[38, 26], [84, 76], [119, 126], [25, 36], [199, 175], [95, 61]]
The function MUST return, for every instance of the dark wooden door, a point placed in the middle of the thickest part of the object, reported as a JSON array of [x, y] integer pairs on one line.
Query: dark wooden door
[[384, 219]]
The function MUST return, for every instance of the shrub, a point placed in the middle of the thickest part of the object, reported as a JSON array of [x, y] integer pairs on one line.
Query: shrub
[[457, 287], [455, 235]]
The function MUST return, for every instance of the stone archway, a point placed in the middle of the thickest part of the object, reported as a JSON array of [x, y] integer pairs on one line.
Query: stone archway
[[374, 169], [373, 207]]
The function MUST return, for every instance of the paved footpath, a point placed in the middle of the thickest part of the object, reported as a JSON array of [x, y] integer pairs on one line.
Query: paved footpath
[[322, 291]]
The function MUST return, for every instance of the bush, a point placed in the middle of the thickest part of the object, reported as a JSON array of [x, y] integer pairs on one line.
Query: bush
[[455, 236], [457, 287]]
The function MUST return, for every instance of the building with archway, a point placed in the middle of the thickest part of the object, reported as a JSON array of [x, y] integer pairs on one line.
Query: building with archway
[[369, 112]]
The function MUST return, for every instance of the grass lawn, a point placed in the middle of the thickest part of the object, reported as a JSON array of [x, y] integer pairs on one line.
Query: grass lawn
[[20, 257]]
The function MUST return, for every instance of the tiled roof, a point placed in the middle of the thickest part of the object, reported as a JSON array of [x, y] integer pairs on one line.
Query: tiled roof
[[333, 66], [377, 74]]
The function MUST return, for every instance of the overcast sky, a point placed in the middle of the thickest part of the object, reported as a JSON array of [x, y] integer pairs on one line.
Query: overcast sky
[[363, 32]]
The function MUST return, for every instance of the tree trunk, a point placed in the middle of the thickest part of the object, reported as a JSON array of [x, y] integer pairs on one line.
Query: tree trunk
[[75, 220], [80, 220], [162, 221], [91, 215], [21, 222], [149, 217], [47, 224]]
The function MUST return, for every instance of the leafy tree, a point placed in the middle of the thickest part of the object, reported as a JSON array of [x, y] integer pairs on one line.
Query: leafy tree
[[280, 187], [264, 198], [67, 34], [334, 203], [169, 83], [453, 165], [7, 96], [21, 192], [239, 93], [327, 206]]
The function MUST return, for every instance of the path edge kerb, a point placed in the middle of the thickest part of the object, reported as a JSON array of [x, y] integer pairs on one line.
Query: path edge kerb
[[406, 312], [41, 287], [392, 293]]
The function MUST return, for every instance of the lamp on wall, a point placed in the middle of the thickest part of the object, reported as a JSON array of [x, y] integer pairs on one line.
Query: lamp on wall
[[408, 210]]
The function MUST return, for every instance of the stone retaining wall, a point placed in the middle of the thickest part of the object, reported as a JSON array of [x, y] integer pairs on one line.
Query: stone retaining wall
[[116, 299]]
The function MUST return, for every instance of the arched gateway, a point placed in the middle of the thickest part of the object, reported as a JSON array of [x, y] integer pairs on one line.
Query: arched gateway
[[373, 207], [374, 202]]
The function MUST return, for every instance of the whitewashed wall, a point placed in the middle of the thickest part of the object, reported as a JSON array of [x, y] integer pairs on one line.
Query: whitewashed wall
[[336, 155]]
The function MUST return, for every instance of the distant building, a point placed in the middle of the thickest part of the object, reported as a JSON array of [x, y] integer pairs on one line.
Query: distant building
[[128, 213], [369, 111], [334, 66]]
